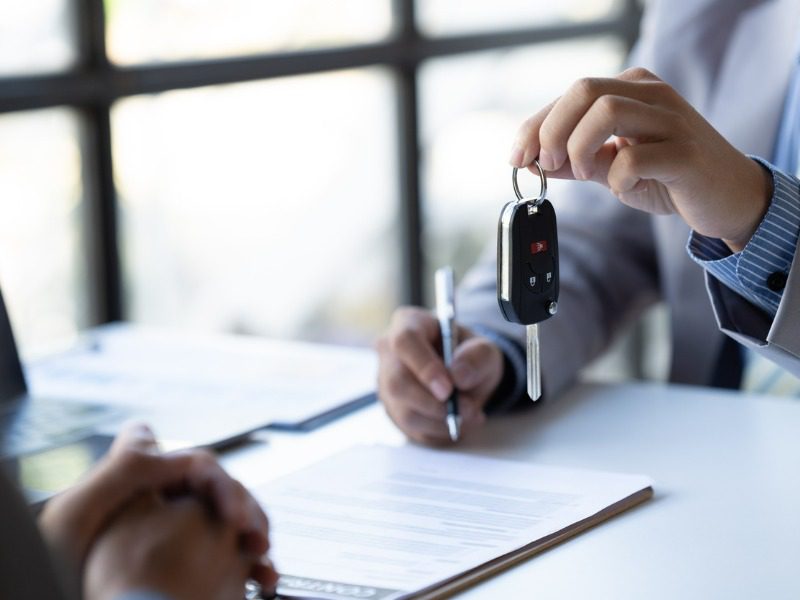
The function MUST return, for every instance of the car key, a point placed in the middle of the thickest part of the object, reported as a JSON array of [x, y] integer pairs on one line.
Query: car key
[[527, 269]]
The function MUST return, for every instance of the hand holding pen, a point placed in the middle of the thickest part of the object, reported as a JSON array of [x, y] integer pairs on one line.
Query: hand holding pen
[[414, 384]]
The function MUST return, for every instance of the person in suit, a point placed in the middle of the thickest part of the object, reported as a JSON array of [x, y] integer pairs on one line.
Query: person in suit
[[140, 526], [687, 211]]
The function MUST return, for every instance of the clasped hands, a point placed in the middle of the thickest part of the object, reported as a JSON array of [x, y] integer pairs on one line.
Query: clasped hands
[[176, 524]]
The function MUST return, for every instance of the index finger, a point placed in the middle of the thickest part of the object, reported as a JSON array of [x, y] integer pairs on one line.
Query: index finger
[[412, 339], [546, 133], [526, 144]]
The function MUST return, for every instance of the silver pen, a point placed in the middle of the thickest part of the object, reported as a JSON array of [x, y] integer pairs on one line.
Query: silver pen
[[446, 314]]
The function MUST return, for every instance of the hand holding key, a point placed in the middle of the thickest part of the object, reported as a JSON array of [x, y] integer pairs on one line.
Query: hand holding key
[[414, 384], [637, 136]]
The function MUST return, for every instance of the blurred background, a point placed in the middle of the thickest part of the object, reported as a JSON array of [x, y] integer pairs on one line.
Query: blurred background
[[288, 169]]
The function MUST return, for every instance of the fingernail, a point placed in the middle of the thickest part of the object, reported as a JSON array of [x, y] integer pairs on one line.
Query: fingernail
[[546, 161], [440, 387], [517, 154], [141, 429], [143, 438]]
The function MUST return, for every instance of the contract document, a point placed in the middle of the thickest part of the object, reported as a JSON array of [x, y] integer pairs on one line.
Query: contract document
[[386, 523]]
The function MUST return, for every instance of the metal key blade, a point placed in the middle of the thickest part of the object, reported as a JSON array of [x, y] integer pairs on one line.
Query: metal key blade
[[534, 367]]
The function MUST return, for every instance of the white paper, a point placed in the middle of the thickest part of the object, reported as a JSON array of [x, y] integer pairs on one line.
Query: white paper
[[180, 379], [380, 523]]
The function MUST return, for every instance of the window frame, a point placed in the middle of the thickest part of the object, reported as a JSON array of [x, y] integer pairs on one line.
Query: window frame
[[94, 84]]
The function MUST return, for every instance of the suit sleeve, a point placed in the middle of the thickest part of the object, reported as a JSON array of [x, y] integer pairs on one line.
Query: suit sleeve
[[27, 570], [608, 276]]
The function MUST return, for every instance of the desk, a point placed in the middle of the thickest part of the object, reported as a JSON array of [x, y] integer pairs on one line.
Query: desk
[[725, 519]]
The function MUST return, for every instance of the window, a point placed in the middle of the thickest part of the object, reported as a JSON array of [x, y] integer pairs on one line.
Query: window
[[142, 31], [287, 169], [449, 17], [289, 234], [42, 266], [36, 37]]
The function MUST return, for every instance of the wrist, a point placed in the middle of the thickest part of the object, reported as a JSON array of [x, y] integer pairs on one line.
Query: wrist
[[758, 198]]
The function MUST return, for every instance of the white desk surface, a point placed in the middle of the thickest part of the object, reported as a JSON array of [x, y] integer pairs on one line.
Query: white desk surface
[[724, 522]]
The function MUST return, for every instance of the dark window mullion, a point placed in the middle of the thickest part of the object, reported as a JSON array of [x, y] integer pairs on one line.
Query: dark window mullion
[[102, 223], [92, 84], [410, 209], [102, 227]]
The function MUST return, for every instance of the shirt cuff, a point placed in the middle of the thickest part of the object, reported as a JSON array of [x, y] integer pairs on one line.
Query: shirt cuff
[[513, 385], [759, 271]]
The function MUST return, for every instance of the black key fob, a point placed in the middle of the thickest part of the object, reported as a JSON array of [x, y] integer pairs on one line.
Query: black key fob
[[527, 259]]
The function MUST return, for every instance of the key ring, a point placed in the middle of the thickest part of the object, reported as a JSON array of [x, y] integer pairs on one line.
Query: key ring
[[542, 179]]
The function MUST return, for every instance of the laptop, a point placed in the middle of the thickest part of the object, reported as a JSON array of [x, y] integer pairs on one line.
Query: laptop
[[30, 424]]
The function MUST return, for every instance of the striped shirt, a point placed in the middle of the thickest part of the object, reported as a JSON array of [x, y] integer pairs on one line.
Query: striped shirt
[[758, 273]]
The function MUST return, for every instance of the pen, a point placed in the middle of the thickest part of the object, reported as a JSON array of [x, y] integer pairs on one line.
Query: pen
[[446, 314]]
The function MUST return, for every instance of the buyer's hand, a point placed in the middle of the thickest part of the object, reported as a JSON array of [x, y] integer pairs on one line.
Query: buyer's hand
[[640, 138], [72, 521], [177, 548], [414, 384]]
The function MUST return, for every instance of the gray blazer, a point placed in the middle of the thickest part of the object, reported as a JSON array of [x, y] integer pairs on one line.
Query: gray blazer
[[732, 60], [26, 569]]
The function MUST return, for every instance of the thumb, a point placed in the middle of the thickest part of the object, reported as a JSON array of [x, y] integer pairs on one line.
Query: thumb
[[477, 362], [135, 436]]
